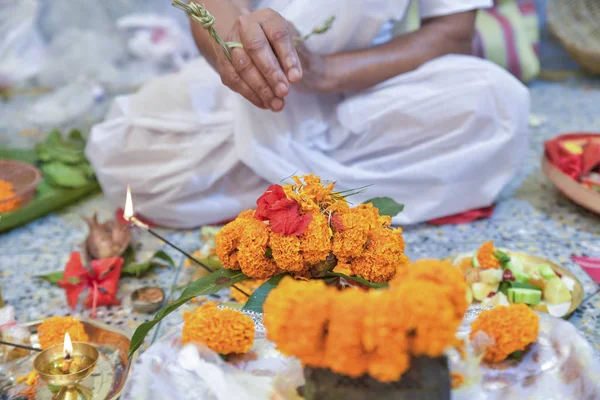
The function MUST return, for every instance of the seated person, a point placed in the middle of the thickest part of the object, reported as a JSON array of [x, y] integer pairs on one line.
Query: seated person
[[414, 116]]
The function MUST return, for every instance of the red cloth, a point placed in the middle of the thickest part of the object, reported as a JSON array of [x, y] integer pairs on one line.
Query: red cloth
[[591, 265], [574, 165], [102, 280], [465, 217]]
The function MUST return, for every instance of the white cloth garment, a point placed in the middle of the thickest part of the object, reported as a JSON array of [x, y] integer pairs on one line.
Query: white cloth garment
[[442, 139]]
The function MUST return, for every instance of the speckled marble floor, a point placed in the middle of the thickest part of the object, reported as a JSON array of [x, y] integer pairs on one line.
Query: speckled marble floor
[[530, 216]]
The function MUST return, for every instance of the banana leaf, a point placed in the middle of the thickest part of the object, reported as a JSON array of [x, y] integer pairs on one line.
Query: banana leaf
[[48, 199]]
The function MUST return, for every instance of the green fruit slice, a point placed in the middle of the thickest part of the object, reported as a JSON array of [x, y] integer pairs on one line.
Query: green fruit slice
[[527, 296], [547, 272]]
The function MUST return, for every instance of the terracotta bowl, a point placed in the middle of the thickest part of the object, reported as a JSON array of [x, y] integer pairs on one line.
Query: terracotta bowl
[[24, 177], [572, 189]]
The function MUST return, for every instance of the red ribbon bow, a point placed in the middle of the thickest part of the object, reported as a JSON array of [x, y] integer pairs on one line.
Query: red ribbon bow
[[102, 280]]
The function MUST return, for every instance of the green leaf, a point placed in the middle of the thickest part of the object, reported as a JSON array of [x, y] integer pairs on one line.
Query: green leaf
[[53, 278], [64, 175], [357, 279], [502, 257], [386, 206], [139, 269], [257, 299], [27, 156], [76, 139], [210, 284]]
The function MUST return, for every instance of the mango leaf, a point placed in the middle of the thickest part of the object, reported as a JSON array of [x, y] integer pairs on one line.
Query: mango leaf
[[139, 269], [64, 175], [357, 279], [53, 278], [386, 206], [76, 139], [257, 299], [210, 284]]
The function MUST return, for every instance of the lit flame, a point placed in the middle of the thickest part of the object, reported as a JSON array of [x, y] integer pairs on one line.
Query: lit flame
[[68, 347], [128, 213]]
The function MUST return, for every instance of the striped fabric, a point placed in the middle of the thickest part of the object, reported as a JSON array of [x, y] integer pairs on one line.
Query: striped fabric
[[507, 34], [591, 265]]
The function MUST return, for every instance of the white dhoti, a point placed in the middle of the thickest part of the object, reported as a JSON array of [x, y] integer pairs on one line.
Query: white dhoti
[[442, 139]]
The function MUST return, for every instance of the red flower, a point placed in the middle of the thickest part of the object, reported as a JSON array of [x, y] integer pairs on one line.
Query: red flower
[[102, 280], [281, 212]]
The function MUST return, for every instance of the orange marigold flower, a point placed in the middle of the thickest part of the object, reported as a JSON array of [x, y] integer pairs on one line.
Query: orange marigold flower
[[225, 331], [432, 321], [248, 286], [52, 331], [384, 336], [512, 328], [344, 351], [296, 315], [350, 242], [381, 257], [228, 239], [252, 249], [485, 256], [315, 242], [443, 274], [372, 214], [286, 252]]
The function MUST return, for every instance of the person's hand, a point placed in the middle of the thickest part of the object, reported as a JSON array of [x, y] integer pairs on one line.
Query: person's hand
[[264, 68], [317, 74]]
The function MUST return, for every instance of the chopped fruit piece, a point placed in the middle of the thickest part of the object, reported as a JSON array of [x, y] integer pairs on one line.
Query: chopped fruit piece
[[499, 299], [558, 274], [539, 282], [472, 275], [568, 282], [540, 307], [527, 296], [518, 273], [481, 290], [556, 292], [559, 310], [491, 276], [476, 261], [464, 264], [546, 271], [491, 294], [469, 294], [508, 276]]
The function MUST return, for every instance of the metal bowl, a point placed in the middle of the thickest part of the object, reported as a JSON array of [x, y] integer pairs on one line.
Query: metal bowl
[[147, 306]]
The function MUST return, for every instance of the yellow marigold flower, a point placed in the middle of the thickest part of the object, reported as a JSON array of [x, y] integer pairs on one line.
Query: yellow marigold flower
[[315, 242], [344, 351], [443, 274], [248, 286], [350, 242], [52, 331], [252, 250], [432, 321], [372, 214], [384, 336], [286, 252], [512, 328], [225, 331], [296, 315], [486, 258], [381, 257]]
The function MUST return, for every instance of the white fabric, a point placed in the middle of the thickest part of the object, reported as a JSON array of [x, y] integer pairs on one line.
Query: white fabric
[[436, 8], [442, 139]]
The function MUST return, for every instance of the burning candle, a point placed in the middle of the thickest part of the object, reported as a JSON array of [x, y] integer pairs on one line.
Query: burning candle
[[129, 215], [68, 349]]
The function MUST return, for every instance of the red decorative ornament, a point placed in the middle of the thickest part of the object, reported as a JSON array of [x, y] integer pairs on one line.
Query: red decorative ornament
[[102, 281], [282, 213]]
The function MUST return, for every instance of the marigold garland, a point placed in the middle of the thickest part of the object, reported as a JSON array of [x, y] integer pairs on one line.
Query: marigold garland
[[353, 332], [303, 224], [52, 331], [512, 328], [486, 258], [225, 331]]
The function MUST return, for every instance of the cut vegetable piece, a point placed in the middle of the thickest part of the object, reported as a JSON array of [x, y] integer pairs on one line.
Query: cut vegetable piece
[[556, 292], [469, 295], [481, 290], [540, 307], [559, 310], [546, 271], [518, 273], [499, 299], [476, 261], [491, 276], [527, 296]]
